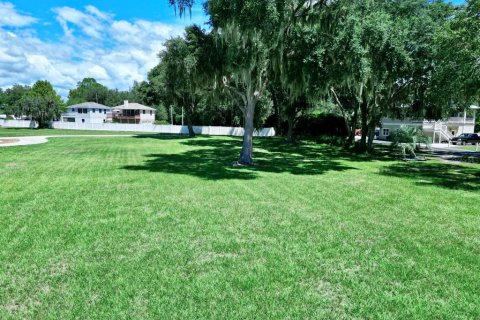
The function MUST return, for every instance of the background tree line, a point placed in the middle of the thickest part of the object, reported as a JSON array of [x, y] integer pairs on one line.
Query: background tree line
[[364, 60], [297, 64]]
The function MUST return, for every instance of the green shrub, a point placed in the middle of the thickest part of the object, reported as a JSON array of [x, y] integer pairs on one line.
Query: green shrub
[[409, 140], [331, 140]]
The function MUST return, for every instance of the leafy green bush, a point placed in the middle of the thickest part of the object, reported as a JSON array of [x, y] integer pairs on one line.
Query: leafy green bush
[[330, 140], [409, 140]]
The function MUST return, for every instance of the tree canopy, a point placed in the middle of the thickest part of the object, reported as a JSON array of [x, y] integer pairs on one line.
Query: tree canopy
[[275, 61], [41, 103], [185, 67], [369, 58], [456, 80], [88, 90]]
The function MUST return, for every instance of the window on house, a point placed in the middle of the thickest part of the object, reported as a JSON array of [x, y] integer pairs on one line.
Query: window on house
[[150, 112], [105, 111], [83, 120], [143, 111], [386, 132]]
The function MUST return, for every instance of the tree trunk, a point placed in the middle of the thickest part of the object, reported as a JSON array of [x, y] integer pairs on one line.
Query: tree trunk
[[276, 108], [278, 129], [290, 129], [191, 132], [42, 124], [353, 125], [348, 127], [364, 118], [246, 157], [371, 134], [371, 126]]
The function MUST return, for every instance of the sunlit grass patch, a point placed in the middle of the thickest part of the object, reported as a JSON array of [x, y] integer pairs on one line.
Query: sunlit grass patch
[[165, 227]]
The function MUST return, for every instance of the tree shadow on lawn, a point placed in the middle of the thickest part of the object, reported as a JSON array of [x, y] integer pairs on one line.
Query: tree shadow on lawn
[[212, 158], [445, 175]]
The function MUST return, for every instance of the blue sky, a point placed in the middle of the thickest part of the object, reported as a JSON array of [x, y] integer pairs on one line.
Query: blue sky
[[152, 10], [114, 41]]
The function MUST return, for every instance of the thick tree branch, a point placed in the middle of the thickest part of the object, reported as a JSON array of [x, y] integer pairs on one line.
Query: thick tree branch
[[236, 91]]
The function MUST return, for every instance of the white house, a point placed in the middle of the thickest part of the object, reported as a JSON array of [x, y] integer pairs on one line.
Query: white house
[[87, 112], [131, 112], [439, 131]]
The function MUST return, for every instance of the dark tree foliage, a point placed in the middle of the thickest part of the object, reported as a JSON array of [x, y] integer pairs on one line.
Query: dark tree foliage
[[88, 90], [186, 66], [456, 77], [370, 58], [41, 103], [182, 6], [12, 97]]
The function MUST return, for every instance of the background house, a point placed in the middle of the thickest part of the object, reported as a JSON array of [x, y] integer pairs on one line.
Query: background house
[[439, 131], [133, 113], [87, 112]]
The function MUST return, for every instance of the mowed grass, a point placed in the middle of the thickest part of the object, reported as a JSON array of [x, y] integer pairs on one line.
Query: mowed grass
[[470, 148], [24, 132], [164, 227]]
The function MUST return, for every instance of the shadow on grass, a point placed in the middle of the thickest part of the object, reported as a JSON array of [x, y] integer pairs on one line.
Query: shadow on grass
[[211, 158], [444, 175]]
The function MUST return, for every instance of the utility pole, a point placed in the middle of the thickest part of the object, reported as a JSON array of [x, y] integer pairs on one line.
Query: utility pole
[[171, 114], [182, 116]]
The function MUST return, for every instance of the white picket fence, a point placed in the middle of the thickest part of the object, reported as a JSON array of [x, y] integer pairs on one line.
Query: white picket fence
[[129, 127]]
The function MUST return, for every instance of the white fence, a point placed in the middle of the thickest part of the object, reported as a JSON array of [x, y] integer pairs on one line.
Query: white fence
[[129, 127], [17, 123]]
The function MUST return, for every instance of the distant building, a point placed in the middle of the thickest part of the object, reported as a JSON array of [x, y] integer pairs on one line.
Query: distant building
[[439, 131], [131, 112], [87, 112]]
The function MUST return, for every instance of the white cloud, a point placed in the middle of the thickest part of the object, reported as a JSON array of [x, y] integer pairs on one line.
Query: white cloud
[[88, 22], [115, 52], [98, 72], [101, 15], [9, 17]]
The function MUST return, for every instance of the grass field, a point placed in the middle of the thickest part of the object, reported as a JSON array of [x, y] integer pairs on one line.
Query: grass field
[[470, 147], [20, 132], [164, 227]]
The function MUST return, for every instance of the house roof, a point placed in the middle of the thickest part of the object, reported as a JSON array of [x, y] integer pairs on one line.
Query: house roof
[[89, 105], [133, 106]]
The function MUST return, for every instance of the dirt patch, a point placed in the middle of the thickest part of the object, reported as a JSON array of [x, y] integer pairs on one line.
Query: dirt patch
[[5, 141]]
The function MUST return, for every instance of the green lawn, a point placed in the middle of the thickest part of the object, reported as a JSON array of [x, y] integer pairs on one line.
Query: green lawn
[[470, 147], [164, 227], [20, 132]]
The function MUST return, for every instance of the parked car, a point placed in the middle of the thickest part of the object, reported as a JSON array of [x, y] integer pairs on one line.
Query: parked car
[[465, 138]]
